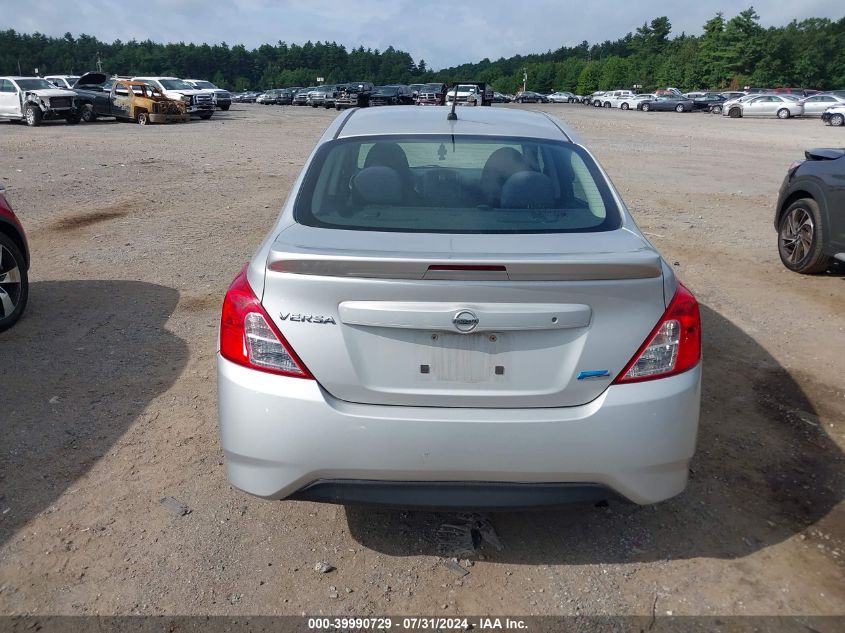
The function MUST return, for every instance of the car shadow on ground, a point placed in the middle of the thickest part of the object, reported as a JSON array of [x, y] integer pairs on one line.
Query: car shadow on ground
[[765, 470], [76, 372]]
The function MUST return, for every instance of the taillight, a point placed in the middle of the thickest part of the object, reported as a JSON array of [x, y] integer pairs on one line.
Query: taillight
[[248, 336], [672, 347]]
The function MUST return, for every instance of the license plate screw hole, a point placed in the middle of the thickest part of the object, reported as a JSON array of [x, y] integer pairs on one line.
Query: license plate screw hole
[[434, 337], [554, 319], [493, 338]]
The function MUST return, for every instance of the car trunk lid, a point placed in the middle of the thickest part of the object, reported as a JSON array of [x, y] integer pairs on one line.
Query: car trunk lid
[[528, 320]]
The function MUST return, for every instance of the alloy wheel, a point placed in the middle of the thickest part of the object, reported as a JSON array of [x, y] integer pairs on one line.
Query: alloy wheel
[[10, 282], [796, 235]]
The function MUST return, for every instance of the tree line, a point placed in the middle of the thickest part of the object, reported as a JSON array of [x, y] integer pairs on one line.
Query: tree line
[[729, 53]]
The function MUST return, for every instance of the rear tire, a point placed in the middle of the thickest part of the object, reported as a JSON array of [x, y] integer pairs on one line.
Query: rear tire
[[32, 115], [15, 291], [206, 116], [837, 120], [679, 107], [716, 109], [624, 106], [73, 118], [224, 108], [801, 238], [142, 118], [783, 113]]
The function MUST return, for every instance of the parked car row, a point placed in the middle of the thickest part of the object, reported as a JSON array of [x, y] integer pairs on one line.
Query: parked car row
[[783, 105], [365, 93], [147, 99]]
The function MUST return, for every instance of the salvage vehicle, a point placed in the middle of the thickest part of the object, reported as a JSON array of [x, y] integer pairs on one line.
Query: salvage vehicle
[[810, 212], [432, 94], [33, 99], [127, 100], [614, 98], [391, 95], [457, 311], [709, 102], [560, 97], [62, 81], [666, 103], [323, 96], [354, 95], [475, 93], [221, 98], [301, 96], [528, 96], [14, 265], [834, 116], [199, 102], [765, 105], [816, 105]]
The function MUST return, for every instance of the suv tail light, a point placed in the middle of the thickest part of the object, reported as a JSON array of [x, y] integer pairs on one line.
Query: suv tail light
[[249, 338], [674, 345]]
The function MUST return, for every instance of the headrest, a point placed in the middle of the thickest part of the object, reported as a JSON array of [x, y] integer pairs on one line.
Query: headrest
[[528, 190], [378, 185]]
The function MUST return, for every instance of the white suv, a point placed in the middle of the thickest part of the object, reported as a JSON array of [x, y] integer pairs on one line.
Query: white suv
[[33, 99]]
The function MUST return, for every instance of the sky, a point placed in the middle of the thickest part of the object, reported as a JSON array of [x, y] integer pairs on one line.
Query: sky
[[442, 33]]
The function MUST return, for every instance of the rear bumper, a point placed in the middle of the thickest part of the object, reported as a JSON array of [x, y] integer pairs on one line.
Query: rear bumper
[[283, 435]]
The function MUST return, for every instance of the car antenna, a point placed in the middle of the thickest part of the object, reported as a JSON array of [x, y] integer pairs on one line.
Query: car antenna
[[452, 116]]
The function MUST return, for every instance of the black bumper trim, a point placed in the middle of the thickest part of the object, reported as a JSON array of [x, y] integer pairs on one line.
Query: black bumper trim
[[452, 495]]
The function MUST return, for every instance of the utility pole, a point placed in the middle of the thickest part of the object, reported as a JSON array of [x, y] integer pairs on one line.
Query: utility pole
[[99, 63], [524, 79]]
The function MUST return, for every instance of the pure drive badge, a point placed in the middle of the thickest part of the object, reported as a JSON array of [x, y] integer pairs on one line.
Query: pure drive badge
[[307, 318]]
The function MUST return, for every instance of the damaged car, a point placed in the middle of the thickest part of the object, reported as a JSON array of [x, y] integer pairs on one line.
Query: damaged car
[[33, 99], [127, 100]]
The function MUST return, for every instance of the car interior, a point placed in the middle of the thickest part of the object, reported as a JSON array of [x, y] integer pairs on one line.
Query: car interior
[[466, 185]]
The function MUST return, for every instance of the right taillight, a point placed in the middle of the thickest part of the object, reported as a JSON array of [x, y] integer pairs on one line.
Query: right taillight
[[249, 338], [672, 347]]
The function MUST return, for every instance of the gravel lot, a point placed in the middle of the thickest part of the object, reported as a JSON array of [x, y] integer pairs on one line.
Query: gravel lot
[[108, 396]]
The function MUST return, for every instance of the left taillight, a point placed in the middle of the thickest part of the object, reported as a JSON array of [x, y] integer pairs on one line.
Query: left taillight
[[249, 338], [672, 347]]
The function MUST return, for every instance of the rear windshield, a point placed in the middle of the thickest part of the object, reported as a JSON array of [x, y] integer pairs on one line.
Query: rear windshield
[[455, 184]]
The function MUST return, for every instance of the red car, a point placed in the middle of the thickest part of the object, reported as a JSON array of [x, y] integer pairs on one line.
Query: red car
[[14, 264]]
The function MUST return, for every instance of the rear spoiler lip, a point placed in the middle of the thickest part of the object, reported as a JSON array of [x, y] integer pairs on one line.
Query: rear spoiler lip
[[824, 153], [645, 264]]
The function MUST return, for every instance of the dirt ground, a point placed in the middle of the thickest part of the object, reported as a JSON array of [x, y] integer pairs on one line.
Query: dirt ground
[[108, 399]]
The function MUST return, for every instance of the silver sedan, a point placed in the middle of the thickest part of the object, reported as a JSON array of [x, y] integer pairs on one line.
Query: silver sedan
[[779, 106], [816, 105], [457, 313]]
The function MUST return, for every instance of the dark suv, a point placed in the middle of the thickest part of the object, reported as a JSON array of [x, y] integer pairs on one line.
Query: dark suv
[[810, 213], [392, 95], [355, 94]]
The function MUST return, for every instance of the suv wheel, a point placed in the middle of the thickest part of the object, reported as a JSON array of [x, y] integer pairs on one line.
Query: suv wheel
[[32, 115], [89, 115], [801, 238], [14, 283]]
